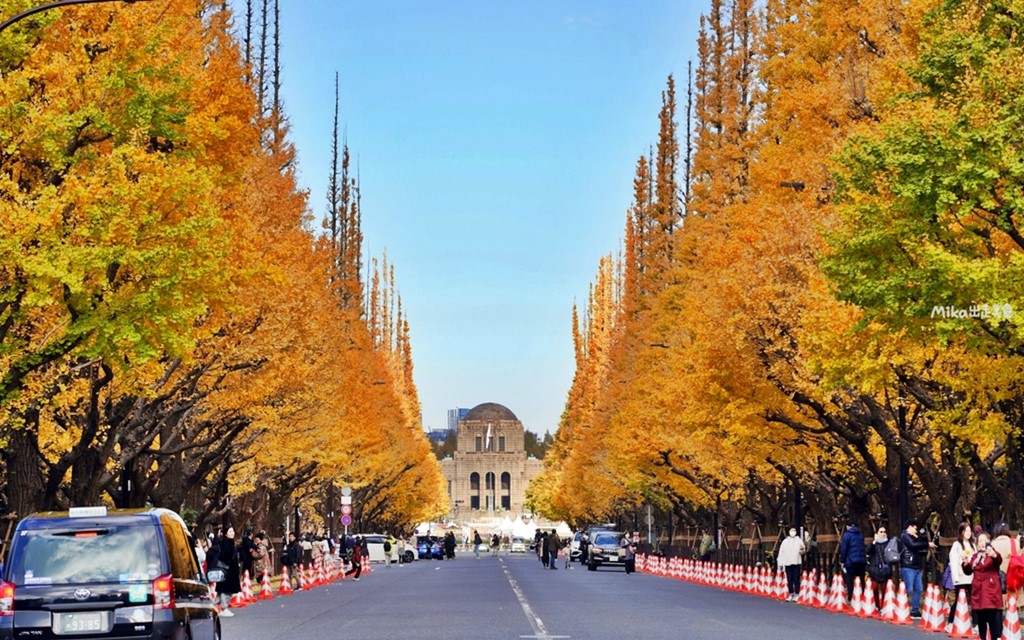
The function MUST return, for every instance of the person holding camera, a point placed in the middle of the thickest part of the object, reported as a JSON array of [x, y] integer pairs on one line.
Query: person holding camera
[[986, 589], [914, 547]]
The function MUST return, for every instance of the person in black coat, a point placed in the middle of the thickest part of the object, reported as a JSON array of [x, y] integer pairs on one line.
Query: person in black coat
[[229, 558], [247, 553]]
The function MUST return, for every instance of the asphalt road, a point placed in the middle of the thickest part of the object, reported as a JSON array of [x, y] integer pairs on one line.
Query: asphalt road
[[508, 598]]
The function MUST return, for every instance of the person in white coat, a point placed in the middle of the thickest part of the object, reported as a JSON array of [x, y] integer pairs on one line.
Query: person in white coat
[[962, 551], [791, 559]]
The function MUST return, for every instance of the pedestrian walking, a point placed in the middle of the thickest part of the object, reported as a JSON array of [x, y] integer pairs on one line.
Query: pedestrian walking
[[357, 560], [852, 556], [913, 552], [477, 541], [231, 585], [389, 549], [790, 560], [961, 554], [247, 552], [707, 545], [567, 553], [553, 544], [545, 553], [628, 554], [449, 545], [495, 544], [986, 589]]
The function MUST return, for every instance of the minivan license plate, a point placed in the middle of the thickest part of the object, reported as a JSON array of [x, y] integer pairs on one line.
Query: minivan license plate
[[92, 622]]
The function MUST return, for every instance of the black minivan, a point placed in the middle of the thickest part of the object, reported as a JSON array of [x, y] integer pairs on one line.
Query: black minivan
[[94, 573]]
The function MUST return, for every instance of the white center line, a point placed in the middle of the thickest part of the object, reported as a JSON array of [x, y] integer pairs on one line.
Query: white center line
[[539, 630]]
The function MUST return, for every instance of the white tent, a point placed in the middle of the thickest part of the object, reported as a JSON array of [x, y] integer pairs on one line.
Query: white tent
[[522, 530], [505, 526], [563, 530]]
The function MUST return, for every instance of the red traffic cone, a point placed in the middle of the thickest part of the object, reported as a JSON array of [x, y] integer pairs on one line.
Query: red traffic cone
[[931, 617], [857, 603], [962, 619], [238, 601], [869, 610], [821, 594], [888, 611], [902, 611], [266, 593], [247, 587], [286, 583], [1011, 621]]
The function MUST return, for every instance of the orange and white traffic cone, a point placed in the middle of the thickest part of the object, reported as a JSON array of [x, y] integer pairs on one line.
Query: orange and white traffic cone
[[266, 593], [821, 594], [238, 601], [902, 610], [247, 587], [837, 597], [869, 608], [286, 583], [1011, 621], [857, 603], [962, 619], [931, 617], [888, 610]]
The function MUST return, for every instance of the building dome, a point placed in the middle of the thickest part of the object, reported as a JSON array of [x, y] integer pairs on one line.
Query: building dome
[[490, 412]]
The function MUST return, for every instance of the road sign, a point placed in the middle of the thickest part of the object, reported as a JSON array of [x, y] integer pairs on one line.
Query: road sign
[[649, 519], [346, 500], [346, 491], [346, 520], [346, 509]]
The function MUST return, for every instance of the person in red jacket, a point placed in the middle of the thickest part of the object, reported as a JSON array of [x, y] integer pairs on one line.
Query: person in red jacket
[[357, 560], [986, 589]]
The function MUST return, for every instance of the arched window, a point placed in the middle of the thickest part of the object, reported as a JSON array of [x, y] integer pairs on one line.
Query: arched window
[[474, 490], [506, 491], [506, 481], [490, 481], [474, 481]]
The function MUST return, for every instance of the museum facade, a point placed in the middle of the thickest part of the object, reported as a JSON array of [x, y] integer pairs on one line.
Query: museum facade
[[490, 469]]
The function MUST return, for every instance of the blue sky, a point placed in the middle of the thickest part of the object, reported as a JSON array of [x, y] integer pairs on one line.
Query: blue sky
[[496, 143]]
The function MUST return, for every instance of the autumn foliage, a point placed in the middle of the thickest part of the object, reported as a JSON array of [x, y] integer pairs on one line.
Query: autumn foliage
[[784, 320], [174, 328]]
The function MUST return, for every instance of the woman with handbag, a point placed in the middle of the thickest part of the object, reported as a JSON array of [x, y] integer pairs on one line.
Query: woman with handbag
[[986, 590], [960, 554]]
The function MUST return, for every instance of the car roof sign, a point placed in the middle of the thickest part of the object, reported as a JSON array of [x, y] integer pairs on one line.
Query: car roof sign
[[87, 512]]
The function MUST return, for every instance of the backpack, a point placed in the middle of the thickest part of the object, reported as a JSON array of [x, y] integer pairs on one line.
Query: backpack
[[892, 551], [387, 546], [1015, 570]]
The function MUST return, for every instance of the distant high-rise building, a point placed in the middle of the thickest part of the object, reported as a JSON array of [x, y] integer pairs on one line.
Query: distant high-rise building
[[455, 416]]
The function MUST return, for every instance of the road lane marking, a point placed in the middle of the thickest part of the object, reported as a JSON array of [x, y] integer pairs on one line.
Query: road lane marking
[[539, 630]]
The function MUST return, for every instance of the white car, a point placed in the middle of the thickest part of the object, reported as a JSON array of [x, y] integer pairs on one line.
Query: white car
[[375, 549], [518, 545]]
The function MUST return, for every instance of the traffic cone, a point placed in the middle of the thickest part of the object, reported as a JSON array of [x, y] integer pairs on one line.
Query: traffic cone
[[857, 603], [931, 617], [869, 610], [962, 619], [247, 587], [820, 596], [310, 576], [902, 611], [888, 611], [266, 593], [837, 597], [286, 583], [781, 586], [1011, 621], [238, 601]]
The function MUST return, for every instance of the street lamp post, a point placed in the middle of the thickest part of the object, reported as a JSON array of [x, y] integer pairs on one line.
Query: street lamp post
[[55, 5]]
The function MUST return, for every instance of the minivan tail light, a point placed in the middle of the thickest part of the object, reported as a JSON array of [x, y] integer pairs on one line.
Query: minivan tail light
[[6, 598], [163, 592]]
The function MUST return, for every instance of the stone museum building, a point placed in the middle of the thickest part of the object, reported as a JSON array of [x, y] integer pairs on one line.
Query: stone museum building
[[489, 470]]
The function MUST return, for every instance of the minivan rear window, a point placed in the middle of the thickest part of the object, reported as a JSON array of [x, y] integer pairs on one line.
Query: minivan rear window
[[54, 557]]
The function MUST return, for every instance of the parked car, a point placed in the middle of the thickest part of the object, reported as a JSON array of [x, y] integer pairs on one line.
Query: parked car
[[428, 547], [518, 545], [604, 550], [94, 573], [375, 549]]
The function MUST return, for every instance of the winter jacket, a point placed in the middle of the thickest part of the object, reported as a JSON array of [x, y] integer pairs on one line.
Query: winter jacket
[[791, 551], [851, 548], [986, 590], [957, 554], [913, 551]]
